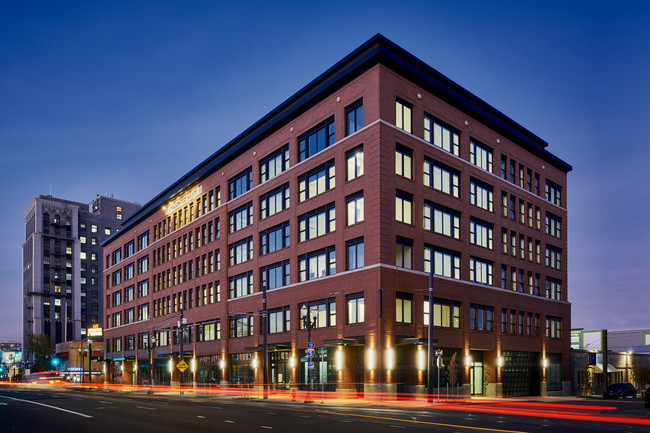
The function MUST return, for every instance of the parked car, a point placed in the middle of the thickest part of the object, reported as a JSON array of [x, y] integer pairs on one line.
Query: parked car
[[646, 396], [622, 390]]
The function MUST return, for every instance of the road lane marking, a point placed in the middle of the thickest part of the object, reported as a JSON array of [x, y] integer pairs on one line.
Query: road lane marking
[[144, 407], [105, 402], [47, 405], [266, 427], [229, 421], [200, 416]]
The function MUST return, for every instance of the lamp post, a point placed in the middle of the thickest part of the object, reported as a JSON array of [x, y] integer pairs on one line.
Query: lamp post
[[430, 341], [309, 321], [265, 361], [90, 352], [82, 355], [150, 344], [181, 332]]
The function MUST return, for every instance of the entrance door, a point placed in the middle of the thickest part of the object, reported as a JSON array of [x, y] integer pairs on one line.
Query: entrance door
[[476, 378]]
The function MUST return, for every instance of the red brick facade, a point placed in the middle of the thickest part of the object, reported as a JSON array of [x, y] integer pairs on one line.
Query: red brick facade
[[392, 345]]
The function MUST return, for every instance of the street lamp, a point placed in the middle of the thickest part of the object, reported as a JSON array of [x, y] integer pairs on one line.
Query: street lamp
[[151, 341], [309, 322], [82, 355], [181, 333]]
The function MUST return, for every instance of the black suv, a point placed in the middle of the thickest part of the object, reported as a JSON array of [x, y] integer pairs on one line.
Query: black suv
[[617, 390], [646, 396]]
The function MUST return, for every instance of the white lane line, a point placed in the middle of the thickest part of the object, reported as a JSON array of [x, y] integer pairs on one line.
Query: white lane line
[[144, 407], [47, 405], [228, 421], [396, 426], [105, 402], [266, 426], [199, 416]]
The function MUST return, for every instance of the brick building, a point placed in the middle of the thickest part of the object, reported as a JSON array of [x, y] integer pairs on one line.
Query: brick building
[[342, 200]]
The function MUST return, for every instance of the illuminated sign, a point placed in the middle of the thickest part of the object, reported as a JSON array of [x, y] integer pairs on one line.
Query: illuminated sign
[[95, 331], [179, 202]]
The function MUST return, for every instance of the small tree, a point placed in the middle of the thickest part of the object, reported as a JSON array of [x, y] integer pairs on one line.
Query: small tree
[[40, 347], [452, 372], [586, 380], [641, 375], [486, 380]]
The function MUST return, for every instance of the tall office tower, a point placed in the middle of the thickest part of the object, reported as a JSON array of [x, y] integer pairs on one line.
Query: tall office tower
[[62, 264]]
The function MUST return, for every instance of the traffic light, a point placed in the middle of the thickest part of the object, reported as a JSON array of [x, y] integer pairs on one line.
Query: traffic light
[[55, 362], [2, 369]]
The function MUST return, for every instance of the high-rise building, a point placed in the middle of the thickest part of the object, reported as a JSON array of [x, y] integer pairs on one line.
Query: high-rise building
[[62, 264], [340, 203]]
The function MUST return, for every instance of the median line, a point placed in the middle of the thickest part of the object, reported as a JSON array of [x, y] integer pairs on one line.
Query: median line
[[49, 406]]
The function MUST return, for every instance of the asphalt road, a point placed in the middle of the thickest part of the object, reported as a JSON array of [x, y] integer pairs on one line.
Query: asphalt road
[[67, 410]]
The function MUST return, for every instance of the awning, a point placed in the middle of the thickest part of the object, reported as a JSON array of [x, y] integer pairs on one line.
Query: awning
[[598, 368]]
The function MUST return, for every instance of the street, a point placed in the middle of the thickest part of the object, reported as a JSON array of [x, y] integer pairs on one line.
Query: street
[[58, 409]]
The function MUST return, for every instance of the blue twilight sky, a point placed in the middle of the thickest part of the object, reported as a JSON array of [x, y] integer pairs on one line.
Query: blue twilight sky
[[125, 97]]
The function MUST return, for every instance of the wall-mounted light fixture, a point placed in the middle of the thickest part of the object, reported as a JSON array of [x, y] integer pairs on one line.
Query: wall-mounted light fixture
[[339, 359], [370, 359], [499, 361], [390, 358], [421, 359], [468, 360]]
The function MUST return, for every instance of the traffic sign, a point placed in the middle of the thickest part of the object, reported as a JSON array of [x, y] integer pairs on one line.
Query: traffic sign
[[182, 366], [311, 345], [310, 353], [322, 350], [310, 365]]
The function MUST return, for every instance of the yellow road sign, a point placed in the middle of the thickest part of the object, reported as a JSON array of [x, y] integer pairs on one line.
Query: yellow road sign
[[182, 366]]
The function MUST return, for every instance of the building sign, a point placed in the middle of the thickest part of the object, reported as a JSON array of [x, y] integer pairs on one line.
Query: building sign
[[181, 201], [95, 331]]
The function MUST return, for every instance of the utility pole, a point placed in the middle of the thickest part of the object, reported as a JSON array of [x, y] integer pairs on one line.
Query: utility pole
[[181, 329], [430, 340], [265, 363]]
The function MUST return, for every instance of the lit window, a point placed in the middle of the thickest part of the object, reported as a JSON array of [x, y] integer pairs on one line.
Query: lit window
[[403, 115], [404, 162], [441, 135]]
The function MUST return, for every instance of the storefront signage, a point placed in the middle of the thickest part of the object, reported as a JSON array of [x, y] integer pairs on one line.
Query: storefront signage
[[95, 331], [181, 201]]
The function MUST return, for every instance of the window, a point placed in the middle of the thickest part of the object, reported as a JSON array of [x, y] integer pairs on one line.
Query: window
[[354, 205], [117, 256], [274, 201], [446, 313], [279, 320], [240, 326], [315, 140], [441, 177], [404, 207], [240, 285], [93, 227], [403, 115], [553, 225], [129, 293], [274, 164], [404, 161], [317, 222], [442, 220], [480, 271], [143, 288], [553, 257], [441, 135], [240, 183], [316, 181], [208, 331], [355, 308], [241, 251], [553, 327], [404, 308], [117, 298], [354, 117], [446, 263], [480, 155], [480, 233], [354, 162], [129, 249], [481, 318], [325, 313], [143, 312], [274, 239], [354, 250], [553, 289], [317, 264], [143, 264], [480, 194], [143, 241], [553, 193], [117, 277], [275, 275], [241, 217], [404, 253], [107, 231]]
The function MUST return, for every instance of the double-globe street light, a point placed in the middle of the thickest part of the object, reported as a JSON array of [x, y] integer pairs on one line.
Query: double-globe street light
[[309, 322]]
